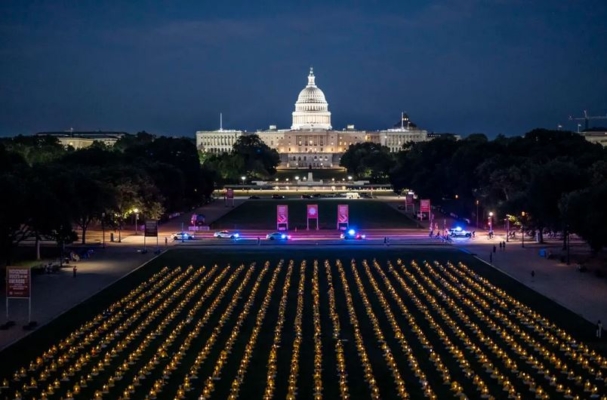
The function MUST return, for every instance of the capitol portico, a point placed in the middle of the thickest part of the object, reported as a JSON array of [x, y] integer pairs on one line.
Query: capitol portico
[[311, 141]]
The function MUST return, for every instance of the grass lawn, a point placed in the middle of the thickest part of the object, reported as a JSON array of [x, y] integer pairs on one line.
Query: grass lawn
[[364, 214], [235, 330]]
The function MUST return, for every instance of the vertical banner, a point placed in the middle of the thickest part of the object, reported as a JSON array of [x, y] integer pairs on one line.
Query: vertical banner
[[282, 217], [312, 214], [18, 282], [424, 207], [342, 216], [409, 199], [229, 196]]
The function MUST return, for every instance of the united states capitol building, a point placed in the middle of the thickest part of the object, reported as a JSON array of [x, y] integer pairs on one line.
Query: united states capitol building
[[311, 141]]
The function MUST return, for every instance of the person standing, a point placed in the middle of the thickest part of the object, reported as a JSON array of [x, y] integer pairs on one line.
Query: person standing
[[491, 257], [532, 274], [74, 269], [599, 329]]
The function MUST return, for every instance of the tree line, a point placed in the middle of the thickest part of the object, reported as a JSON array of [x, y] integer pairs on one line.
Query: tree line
[[49, 190], [543, 180]]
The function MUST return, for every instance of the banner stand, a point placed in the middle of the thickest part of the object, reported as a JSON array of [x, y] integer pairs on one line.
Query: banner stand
[[229, 196], [151, 230], [282, 217], [19, 286], [342, 217], [312, 214]]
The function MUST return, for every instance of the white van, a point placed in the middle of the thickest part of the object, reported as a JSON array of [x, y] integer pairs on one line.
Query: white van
[[352, 195]]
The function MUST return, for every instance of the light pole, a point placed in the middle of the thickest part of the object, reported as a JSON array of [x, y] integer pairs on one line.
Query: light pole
[[523, 228], [136, 211], [476, 214], [507, 227], [490, 221], [103, 229], [244, 178]]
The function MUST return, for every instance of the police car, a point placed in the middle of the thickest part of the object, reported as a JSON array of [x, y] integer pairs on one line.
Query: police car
[[352, 234], [459, 232]]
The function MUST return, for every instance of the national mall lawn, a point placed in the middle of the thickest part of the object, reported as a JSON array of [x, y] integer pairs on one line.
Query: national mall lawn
[[258, 323], [363, 214]]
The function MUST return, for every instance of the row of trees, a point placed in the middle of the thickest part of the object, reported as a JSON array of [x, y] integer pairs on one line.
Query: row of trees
[[250, 157], [545, 179], [48, 190]]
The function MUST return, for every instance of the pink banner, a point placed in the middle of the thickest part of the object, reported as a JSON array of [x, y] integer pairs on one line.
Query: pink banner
[[313, 211], [230, 193], [282, 214], [409, 199], [342, 214], [424, 206]]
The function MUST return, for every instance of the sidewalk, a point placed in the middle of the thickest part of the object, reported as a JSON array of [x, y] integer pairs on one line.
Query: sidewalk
[[583, 293]]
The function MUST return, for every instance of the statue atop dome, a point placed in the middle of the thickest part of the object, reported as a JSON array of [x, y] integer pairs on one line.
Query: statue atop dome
[[311, 108], [311, 78]]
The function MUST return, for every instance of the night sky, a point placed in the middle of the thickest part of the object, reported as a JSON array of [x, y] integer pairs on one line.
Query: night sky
[[462, 66]]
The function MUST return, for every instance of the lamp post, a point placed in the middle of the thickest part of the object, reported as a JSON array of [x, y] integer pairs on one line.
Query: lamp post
[[568, 245], [476, 214], [490, 221], [103, 229], [244, 178], [136, 211], [523, 228]]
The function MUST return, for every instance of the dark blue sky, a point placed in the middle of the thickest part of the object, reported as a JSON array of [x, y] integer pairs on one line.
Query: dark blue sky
[[493, 66]]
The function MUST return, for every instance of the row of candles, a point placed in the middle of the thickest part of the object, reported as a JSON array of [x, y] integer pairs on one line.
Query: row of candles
[[84, 344], [209, 382], [480, 306], [549, 335]]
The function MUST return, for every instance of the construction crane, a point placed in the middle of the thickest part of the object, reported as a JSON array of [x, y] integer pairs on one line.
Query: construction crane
[[586, 118]]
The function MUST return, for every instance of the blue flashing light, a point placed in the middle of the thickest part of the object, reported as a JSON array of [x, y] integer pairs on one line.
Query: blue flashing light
[[236, 235], [351, 232], [283, 236], [458, 228]]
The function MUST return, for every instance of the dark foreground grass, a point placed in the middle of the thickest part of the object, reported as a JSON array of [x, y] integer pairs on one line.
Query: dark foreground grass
[[370, 298], [364, 214]]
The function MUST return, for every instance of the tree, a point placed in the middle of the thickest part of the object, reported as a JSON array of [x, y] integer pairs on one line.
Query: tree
[[259, 160], [585, 214], [368, 160]]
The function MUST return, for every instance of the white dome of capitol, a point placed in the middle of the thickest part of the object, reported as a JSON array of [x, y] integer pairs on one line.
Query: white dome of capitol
[[311, 108]]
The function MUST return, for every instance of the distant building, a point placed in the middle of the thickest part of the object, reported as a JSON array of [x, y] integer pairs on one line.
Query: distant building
[[596, 135], [312, 141], [82, 139]]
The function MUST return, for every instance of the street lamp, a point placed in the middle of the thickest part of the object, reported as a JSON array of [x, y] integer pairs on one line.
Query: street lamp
[[476, 214], [136, 211], [244, 178], [523, 228], [490, 221], [103, 229]]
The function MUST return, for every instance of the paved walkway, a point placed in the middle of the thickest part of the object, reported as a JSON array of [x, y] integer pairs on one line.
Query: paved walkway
[[583, 293]]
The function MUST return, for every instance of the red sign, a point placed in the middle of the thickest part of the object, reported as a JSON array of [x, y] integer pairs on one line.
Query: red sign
[[282, 214], [230, 193], [342, 214], [18, 281], [424, 206], [409, 199], [313, 211]]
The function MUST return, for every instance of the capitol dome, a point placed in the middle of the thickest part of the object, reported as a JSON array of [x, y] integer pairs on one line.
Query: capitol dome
[[311, 108]]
